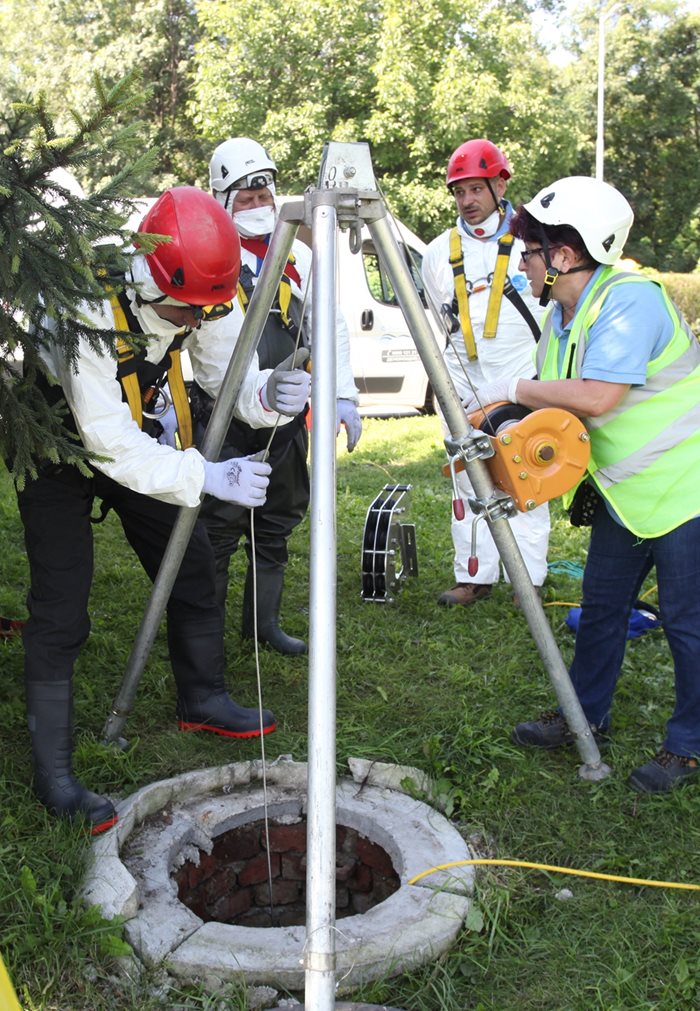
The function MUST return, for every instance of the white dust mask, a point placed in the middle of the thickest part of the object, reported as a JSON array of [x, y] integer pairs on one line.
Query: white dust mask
[[255, 221]]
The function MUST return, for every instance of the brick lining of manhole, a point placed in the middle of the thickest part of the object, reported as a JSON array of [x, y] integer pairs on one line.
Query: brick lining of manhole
[[237, 884]]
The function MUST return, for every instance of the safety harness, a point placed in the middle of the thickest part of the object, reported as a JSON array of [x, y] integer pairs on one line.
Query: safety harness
[[500, 284], [259, 249], [131, 365]]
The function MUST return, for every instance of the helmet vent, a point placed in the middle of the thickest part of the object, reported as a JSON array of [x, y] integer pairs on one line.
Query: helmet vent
[[224, 171], [546, 200], [483, 163], [178, 278], [607, 243]]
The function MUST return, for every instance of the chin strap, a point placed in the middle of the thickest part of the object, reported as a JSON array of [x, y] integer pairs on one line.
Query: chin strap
[[550, 275]]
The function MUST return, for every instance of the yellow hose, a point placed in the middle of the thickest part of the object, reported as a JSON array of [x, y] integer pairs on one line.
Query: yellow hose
[[559, 870]]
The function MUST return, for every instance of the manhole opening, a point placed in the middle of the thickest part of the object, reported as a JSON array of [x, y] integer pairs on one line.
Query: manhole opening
[[230, 884]]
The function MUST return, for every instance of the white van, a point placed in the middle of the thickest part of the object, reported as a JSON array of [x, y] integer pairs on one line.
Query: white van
[[386, 366]]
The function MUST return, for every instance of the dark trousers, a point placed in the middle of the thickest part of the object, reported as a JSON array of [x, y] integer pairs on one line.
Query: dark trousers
[[55, 510], [617, 564], [284, 508]]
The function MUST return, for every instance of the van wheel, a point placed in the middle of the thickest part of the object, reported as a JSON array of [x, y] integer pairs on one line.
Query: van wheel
[[430, 402]]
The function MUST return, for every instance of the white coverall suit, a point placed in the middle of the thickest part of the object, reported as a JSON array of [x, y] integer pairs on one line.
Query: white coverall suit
[[510, 353]]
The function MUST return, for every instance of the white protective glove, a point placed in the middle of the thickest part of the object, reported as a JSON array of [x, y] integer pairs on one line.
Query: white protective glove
[[287, 390], [241, 480], [168, 423], [491, 393], [346, 413]]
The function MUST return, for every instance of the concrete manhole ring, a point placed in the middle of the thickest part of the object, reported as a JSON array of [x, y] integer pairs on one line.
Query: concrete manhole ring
[[176, 820]]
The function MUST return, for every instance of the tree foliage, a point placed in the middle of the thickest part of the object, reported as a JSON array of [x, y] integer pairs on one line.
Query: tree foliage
[[57, 250], [414, 80], [54, 48], [652, 123]]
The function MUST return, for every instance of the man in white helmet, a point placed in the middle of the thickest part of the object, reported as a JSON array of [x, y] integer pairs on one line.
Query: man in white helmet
[[242, 177], [617, 352], [472, 278], [179, 296]]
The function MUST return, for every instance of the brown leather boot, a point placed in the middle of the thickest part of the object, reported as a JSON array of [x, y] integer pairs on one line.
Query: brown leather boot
[[465, 594]]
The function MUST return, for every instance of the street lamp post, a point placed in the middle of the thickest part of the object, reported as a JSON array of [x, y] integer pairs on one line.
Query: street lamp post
[[600, 128]]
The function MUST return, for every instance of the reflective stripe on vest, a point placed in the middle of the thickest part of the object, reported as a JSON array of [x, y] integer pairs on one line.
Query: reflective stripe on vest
[[645, 451], [128, 376]]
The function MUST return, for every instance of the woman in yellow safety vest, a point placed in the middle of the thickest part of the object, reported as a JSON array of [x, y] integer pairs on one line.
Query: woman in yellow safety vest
[[617, 352]]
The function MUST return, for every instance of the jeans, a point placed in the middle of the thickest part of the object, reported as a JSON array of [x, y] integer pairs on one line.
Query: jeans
[[617, 564]]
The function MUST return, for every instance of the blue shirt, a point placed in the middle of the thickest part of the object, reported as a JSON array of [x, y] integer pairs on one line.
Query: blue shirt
[[632, 327]]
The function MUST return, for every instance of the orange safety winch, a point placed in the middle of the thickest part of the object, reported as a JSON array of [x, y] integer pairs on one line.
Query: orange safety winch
[[538, 455]]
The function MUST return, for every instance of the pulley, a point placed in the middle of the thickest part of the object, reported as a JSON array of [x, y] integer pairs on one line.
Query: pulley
[[388, 545], [538, 455]]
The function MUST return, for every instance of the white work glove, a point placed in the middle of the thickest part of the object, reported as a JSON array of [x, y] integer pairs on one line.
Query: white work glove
[[168, 423], [287, 390], [347, 414], [241, 480], [491, 393]]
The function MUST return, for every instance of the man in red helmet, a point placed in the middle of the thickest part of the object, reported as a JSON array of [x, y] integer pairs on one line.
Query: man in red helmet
[[472, 277], [179, 295]]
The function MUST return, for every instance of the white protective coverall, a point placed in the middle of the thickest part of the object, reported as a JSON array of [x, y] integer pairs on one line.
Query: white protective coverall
[[510, 353], [104, 421]]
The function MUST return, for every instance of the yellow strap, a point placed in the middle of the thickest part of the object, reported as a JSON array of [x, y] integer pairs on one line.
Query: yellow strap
[[497, 283], [285, 298], [130, 381], [125, 352], [181, 403], [284, 295], [461, 293]]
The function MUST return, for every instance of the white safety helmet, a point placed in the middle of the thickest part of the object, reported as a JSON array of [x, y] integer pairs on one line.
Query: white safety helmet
[[240, 164], [598, 212]]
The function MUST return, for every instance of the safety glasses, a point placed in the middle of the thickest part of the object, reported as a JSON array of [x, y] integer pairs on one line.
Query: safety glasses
[[209, 313], [203, 313]]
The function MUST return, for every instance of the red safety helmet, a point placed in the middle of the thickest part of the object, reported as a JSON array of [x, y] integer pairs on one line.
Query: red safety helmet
[[477, 159], [202, 263]]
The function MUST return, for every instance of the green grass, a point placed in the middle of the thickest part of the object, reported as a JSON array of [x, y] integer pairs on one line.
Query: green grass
[[417, 684]]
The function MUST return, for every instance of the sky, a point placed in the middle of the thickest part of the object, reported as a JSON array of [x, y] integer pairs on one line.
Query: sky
[[550, 30]]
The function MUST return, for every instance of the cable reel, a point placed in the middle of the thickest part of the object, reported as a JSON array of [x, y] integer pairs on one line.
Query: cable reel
[[388, 545], [538, 455]]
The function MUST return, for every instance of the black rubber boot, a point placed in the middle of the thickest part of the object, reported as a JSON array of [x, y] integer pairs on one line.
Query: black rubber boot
[[270, 583], [49, 715], [197, 657]]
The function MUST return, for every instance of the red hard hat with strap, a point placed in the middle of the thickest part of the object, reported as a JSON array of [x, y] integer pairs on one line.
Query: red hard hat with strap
[[200, 266], [477, 159]]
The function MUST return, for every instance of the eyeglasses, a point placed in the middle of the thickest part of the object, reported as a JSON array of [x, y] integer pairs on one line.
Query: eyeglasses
[[527, 253]]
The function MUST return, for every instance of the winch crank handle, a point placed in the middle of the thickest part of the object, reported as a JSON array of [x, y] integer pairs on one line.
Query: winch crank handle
[[457, 501], [473, 560]]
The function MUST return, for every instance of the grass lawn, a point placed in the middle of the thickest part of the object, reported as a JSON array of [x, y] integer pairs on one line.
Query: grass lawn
[[432, 687]]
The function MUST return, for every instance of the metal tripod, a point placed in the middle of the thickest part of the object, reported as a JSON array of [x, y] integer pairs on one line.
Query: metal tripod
[[346, 197]]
